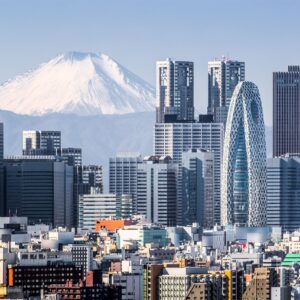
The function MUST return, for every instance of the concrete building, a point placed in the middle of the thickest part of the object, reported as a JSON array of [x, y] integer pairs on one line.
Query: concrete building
[[71, 155], [174, 91], [283, 192], [92, 175], [286, 111], [2, 201], [136, 236], [244, 169], [157, 190], [198, 187], [39, 187], [172, 139], [123, 174], [41, 142], [223, 77], [94, 207], [82, 256], [259, 287]]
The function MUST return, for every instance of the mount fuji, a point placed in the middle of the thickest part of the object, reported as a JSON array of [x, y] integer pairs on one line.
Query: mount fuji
[[77, 83]]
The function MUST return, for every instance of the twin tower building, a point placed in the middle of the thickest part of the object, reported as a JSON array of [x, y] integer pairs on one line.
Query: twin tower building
[[228, 143]]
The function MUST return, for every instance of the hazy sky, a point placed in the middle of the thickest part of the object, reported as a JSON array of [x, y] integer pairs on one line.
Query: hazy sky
[[263, 33]]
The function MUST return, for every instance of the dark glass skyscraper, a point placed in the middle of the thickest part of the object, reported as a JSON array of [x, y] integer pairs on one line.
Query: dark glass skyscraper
[[286, 111]]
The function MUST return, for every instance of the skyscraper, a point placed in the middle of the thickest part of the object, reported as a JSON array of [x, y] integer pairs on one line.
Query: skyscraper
[[198, 187], [174, 91], [157, 190], [283, 192], [243, 188], [286, 111], [41, 142], [172, 139], [40, 188], [223, 77], [123, 174]]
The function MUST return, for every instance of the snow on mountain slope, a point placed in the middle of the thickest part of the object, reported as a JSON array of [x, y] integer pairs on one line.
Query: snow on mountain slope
[[79, 83]]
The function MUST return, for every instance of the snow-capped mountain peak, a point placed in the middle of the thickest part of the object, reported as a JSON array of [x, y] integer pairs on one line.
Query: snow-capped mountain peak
[[80, 83]]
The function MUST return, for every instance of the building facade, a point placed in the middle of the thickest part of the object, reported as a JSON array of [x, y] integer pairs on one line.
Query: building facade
[[172, 139], [198, 187], [123, 175], [175, 91], [223, 77], [286, 111], [157, 190], [244, 160], [40, 188], [41, 142], [283, 192]]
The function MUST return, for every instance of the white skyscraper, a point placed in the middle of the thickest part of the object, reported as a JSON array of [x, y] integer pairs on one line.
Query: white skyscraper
[[243, 195], [172, 139], [174, 91], [223, 77]]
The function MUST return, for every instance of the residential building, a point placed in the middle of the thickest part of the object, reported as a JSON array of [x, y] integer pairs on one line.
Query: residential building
[[198, 187], [174, 91], [286, 111], [157, 190], [244, 179]]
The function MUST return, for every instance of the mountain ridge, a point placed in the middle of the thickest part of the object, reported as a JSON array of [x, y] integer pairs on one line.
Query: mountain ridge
[[80, 83]]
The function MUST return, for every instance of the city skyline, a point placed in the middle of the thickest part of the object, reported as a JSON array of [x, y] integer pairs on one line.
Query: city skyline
[[134, 29]]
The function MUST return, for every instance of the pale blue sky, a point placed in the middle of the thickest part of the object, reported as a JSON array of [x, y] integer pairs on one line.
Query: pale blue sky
[[263, 33]]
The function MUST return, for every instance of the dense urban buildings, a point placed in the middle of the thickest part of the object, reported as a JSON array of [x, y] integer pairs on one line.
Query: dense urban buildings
[[174, 91], [198, 187], [223, 77], [41, 142], [172, 139], [243, 185], [2, 207], [93, 176], [157, 190], [283, 192], [286, 111]]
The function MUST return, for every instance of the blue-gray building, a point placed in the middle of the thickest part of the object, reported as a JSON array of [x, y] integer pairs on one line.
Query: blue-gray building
[[283, 192], [198, 187], [40, 188]]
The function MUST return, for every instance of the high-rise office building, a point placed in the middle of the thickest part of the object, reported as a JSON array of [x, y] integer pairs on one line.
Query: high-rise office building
[[243, 196], [283, 192], [172, 139], [157, 190], [40, 188], [123, 174], [72, 156], [223, 77], [198, 187], [286, 111], [174, 91], [93, 176], [41, 142], [94, 207]]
